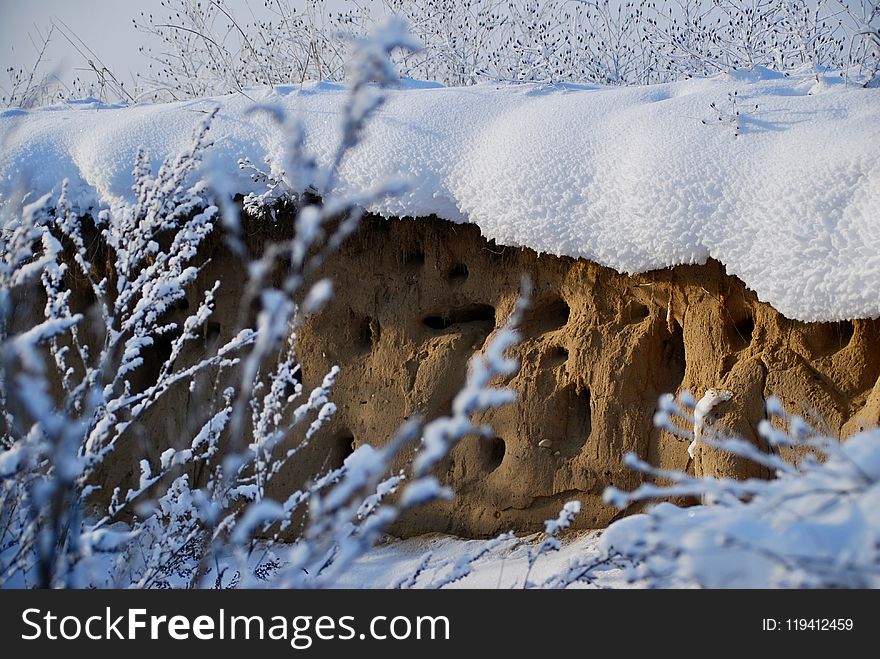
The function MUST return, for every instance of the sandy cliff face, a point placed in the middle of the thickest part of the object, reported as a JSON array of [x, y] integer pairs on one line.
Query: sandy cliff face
[[414, 300]]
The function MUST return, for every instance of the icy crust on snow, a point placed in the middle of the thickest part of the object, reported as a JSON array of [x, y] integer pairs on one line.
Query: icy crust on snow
[[628, 177]]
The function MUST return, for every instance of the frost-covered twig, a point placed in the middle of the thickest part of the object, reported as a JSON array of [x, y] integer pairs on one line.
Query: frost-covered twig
[[550, 542], [812, 526]]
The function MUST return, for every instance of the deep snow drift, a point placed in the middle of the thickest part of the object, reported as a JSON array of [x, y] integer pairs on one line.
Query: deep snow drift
[[787, 195]]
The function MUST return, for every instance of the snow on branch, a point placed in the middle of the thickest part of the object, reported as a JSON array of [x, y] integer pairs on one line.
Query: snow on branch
[[814, 525]]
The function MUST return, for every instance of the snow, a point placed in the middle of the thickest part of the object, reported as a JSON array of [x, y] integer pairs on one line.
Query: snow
[[787, 196], [566, 516], [706, 404], [426, 561], [504, 566], [815, 525]]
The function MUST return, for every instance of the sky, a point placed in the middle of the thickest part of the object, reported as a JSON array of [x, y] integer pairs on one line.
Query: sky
[[105, 25]]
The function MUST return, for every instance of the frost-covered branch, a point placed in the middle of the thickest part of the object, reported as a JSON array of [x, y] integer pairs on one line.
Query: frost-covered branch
[[814, 525]]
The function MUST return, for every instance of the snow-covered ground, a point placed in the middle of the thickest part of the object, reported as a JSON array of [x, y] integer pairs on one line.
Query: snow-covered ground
[[394, 561], [428, 561], [786, 193]]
